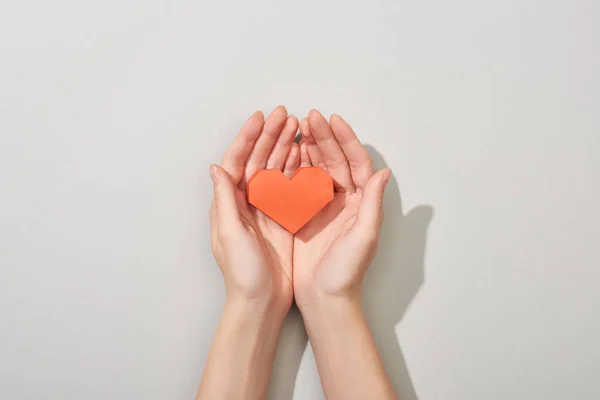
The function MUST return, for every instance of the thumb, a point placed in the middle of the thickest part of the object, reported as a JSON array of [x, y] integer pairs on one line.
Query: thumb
[[370, 211], [224, 196]]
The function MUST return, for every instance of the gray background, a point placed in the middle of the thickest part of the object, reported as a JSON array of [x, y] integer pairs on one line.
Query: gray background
[[486, 284]]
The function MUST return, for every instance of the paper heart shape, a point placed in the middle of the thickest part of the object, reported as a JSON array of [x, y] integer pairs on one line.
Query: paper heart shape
[[291, 202]]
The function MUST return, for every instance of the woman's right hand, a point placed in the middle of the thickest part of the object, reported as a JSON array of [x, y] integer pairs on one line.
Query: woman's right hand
[[253, 252], [255, 257]]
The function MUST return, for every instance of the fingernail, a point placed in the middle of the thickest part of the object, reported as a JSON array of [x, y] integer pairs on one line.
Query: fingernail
[[305, 132], [214, 174], [314, 112], [387, 175]]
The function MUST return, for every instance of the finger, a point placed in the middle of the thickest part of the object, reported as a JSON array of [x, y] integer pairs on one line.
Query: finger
[[370, 210], [304, 157], [333, 156], [311, 146], [282, 147], [235, 158], [225, 204], [213, 225], [293, 160], [359, 161], [265, 142]]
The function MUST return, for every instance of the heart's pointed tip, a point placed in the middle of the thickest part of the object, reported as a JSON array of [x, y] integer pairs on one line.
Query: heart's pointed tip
[[291, 202], [292, 226]]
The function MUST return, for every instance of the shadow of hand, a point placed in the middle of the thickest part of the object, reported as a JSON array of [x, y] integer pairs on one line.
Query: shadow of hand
[[394, 278], [392, 281]]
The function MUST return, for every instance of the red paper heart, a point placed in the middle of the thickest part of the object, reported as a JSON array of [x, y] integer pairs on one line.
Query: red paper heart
[[291, 202]]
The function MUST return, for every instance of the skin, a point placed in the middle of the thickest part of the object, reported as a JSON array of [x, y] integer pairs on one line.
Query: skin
[[255, 257], [253, 251], [321, 267], [331, 255]]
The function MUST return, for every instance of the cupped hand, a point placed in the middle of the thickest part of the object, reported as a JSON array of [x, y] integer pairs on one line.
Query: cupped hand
[[333, 250], [254, 252]]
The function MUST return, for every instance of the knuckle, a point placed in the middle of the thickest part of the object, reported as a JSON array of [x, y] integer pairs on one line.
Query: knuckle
[[353, 164], [336, 163], [357, 162]]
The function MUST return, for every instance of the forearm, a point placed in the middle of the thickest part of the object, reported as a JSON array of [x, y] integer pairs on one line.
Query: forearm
[[347, 358], [241, 356]]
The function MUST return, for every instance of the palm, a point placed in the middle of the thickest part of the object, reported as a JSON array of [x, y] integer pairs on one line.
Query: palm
[[263, 255], [272, 245], [334, 147], [323, 234], [265, 252]]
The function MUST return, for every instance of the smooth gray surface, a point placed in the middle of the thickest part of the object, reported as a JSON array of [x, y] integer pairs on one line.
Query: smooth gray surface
[[486, 284]]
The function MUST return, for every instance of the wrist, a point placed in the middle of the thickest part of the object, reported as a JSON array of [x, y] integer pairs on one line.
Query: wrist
[[243, 349], [325, 304], [346, 354], [328, 317], [266, 307]]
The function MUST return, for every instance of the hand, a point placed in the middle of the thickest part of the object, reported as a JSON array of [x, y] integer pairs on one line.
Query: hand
[[331, 255], [332, 252], [253, 252]]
